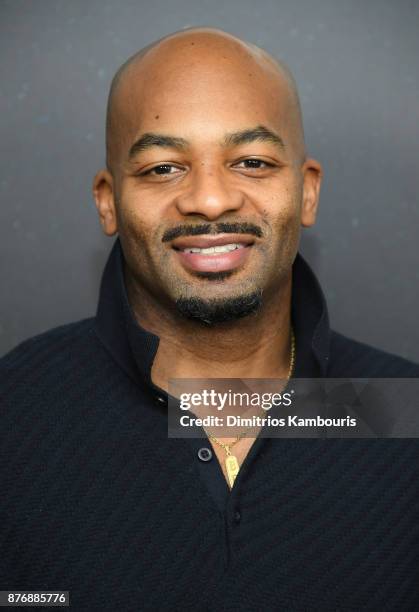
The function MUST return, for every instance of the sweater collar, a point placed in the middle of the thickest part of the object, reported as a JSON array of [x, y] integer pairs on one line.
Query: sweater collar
[[134, 348]]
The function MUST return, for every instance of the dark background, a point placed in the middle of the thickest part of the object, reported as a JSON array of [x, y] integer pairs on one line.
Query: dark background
[[356, 65]]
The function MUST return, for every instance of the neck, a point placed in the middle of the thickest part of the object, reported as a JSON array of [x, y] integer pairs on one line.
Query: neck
[[256, 346]]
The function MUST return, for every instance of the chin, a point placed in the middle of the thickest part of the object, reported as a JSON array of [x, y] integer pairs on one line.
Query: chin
[[213, 311]]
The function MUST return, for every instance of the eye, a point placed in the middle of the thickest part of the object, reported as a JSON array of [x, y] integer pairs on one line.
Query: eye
[[253, 164], [161, 170]]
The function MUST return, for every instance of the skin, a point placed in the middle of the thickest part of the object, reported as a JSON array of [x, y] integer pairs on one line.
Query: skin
[[201, 85]]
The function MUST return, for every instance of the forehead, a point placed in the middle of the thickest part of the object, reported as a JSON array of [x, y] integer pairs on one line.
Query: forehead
[[201, 93]]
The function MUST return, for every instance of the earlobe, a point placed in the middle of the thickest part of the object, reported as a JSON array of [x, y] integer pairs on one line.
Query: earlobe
[[312, 176], [103, 194]]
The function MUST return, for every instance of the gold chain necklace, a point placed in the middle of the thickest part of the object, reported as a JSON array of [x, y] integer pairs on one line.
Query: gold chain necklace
[[231, 462]]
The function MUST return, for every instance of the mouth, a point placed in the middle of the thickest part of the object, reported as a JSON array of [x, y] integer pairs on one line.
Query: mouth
[[219, 253]]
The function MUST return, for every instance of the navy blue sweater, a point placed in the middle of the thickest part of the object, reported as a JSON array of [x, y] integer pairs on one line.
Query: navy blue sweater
[[97, 500]]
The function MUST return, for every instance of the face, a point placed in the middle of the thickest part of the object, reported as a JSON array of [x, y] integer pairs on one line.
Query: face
[[210, 189]]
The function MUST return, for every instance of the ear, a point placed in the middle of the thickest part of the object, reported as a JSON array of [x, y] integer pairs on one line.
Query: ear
[[312, 177], [103, 192]]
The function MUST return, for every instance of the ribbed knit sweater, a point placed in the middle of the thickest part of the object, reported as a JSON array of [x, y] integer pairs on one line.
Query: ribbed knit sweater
[[97, 500]]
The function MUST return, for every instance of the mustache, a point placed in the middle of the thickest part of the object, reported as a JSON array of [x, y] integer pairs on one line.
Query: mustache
[[207, 228]]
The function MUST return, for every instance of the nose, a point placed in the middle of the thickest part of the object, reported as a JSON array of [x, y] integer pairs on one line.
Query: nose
[[209, 195]]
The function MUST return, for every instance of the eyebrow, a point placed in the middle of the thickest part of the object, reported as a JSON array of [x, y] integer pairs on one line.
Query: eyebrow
[[257, 134], [148, 140]]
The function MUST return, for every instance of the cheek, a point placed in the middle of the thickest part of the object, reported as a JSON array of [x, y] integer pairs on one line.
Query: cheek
[[140, 229], [282, 212], [135, 232], [282, 197], [286, 226], [286, 234], [135, 220]]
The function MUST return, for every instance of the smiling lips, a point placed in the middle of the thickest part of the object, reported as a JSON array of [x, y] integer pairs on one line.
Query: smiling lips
[[213, 253]]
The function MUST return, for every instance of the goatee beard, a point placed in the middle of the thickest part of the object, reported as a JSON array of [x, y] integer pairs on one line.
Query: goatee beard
[[212, 312]]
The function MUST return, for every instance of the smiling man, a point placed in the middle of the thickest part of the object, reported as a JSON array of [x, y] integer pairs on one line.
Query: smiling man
[[207, 186]]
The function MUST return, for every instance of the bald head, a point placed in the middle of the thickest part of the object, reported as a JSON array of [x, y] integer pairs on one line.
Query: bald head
[[194, 63]]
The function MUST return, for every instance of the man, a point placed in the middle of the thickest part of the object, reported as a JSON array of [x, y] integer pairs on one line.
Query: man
[[207, 185]]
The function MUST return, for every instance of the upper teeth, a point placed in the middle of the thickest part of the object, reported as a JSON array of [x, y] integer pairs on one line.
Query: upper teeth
[[225, 248]]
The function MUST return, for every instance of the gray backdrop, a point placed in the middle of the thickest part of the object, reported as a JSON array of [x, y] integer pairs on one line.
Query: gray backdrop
[[356, 64]]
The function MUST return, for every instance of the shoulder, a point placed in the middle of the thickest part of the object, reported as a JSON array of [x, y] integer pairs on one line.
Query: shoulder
[[352, 359], [51, 354], [61, 336]]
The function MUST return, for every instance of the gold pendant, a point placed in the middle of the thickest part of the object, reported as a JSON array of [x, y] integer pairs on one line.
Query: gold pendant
[[232, 467]]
